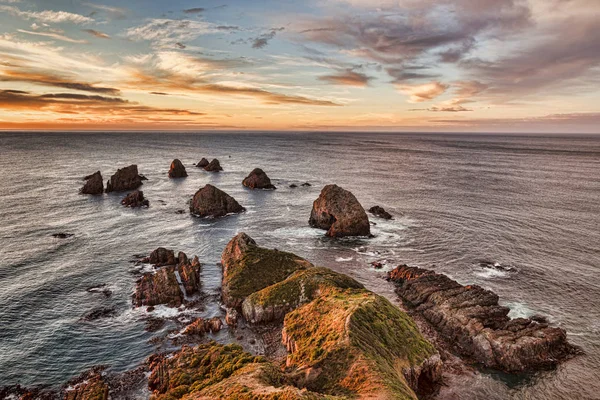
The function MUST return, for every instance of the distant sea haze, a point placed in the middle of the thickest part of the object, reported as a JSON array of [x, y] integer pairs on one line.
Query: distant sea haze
[[461, 203]]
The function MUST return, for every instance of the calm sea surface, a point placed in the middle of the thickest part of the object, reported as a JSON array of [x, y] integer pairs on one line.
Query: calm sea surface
[[532, 203]]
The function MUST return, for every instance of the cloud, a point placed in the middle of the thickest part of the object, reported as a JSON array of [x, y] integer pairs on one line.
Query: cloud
[[96, 33], [168, 32], [47, 16], [196, 10], [425, 92], [48, 79], [348, 78], [263, 40], [53, 36], [112, 12]]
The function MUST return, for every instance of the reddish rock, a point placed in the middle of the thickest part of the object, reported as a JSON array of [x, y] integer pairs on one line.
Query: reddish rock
[[258, 179], [380, 212], [478, 327], [93, 185], [177, 170], [202, 163], [124, 179], [339, 212], [231, 319], [213, 166], [135, 199], [215, 324], [197, 328], [212, 202], [161, 257]]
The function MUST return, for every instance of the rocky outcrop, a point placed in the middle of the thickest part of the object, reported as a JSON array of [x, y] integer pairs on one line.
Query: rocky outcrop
[[258, 179], [177, 170], [93, 184], [213, 166], [274, 302], [380, 212], [339, 213], [355, 342], [202, 163], [212, 202], [90, 386], [135, 200], [124, 179], [248, 268], [215, 371], [478, 327], [172, 281]]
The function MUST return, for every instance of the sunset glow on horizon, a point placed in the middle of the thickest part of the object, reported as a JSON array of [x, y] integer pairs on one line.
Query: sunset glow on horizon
[[382, 65]]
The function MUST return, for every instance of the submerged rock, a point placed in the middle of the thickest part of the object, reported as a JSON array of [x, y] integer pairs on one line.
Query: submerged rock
[[380, 212], [478, 326], [258, 179], [213, 166], [135, 199], [100, 312], [62, 235], [212, 202], [124, 179], [202, 163], [177, 170], [339, 213], [248, 268], [171, 283], [93, 185]]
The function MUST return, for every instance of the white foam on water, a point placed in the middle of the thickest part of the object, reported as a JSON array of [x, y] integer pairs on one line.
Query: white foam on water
[[297, 232], [491, 273], [342, 259], [519, 310]]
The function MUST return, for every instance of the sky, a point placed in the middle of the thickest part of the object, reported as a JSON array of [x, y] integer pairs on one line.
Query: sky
[[381, 65]]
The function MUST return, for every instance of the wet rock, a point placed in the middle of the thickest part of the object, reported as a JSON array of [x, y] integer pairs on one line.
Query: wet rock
[[377, 264], [93, 185], [213, 166], [135, 199], [248, 268], [212, 202], [90, 385], [293, 186], [163, 286], [154, 324], [258, 179], [177, 170], [215, 324], [100, 312], [24, 393], [306, 184], [380, 212], [479, 327], [124, 179], [62, 235], [231, 318], [339, 212], [202, 163], [100, 289], [197, 328], [180, 212]]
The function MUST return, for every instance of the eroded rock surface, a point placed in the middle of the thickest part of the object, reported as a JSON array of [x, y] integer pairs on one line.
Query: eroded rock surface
[[135, 199], [477, 326], [258, 179], [213, 202], [177, 170], [93, 184], [124, 179], [339, 213], [213, 166]]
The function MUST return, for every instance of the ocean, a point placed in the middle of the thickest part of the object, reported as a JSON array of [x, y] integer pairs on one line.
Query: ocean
[[529, 204]]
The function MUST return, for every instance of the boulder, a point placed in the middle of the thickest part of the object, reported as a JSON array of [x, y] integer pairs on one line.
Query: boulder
[[93, 184], [339, 212], [212, 202], [478, 326], [213, 166], [215, 371], [258, 179], [170, 283], [202, 163], [197, 328], [380, 212], [231, 318], [248, 268], [272, 303], [124, 179], [135, 200], [177, 170], [215, 324]]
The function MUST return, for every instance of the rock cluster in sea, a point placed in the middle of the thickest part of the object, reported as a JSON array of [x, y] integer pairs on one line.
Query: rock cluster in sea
[[477, 326]]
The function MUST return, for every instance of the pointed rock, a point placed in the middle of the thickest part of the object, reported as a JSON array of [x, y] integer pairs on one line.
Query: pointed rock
[[94, 184], [213, 202], [339, 212], [177, 170], [258, 179]]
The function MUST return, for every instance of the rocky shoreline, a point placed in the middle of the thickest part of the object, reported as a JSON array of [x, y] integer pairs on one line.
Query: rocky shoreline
[[324, 335]]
